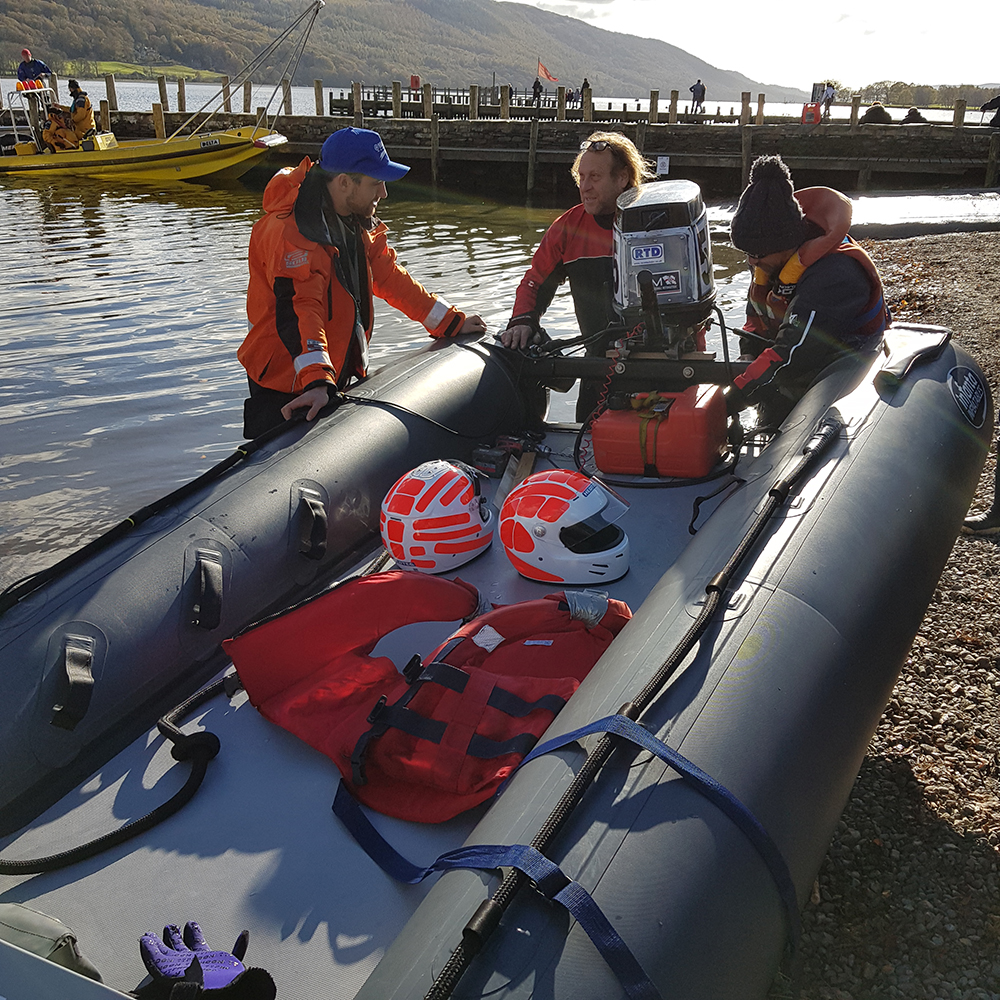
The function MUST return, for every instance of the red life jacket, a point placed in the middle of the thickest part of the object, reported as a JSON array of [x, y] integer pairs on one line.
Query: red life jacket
[[441, 737]]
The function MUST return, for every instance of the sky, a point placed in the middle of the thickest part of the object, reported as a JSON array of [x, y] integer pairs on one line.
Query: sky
[[796, 45]]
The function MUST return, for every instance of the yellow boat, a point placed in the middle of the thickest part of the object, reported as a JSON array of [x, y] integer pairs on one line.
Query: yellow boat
[[225, 154]]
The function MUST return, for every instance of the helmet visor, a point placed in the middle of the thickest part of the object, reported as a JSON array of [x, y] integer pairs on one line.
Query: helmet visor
[[597, 532]]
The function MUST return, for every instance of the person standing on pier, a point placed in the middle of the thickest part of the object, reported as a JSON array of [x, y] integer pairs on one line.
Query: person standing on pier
[[317, 258], [827, 99], [815, 296], [536, 90], [577, 246], [697, 97]]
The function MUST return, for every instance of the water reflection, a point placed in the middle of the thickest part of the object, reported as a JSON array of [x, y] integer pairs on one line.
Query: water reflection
[[124, 308]]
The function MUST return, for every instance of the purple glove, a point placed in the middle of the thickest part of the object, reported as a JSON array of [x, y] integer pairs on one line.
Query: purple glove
[[190, 958]]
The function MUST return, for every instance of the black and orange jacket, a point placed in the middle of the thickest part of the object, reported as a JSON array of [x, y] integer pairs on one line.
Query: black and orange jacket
[[826, 303], [576, 246], [308, 323]]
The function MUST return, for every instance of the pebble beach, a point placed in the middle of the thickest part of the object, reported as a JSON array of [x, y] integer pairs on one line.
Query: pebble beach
[[907, 903]]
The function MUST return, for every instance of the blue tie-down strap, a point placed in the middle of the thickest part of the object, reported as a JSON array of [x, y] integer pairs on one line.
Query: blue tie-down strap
[[717, 794], [546, 876]]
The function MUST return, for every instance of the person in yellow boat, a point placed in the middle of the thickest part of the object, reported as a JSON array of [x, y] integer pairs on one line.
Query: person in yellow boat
[[81, 110], [57, 132]]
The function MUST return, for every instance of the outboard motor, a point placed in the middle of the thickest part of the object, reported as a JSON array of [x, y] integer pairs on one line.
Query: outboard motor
[[663, 265], [665, 293]]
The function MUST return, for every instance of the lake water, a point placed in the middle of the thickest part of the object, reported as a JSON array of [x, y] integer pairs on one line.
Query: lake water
[[124, 309]]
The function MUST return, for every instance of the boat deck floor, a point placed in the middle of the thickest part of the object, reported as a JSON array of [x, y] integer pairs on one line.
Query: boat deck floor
[[258, 847]]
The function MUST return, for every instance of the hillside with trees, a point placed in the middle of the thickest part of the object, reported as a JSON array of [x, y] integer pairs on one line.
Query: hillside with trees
[[449, 43]]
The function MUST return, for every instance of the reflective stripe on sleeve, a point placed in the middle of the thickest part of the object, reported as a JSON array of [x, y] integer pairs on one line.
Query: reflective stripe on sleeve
[[437, 314], [312, 358]]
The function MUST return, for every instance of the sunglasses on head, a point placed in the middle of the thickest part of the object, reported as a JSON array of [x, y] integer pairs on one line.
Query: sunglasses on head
[[598, 146]]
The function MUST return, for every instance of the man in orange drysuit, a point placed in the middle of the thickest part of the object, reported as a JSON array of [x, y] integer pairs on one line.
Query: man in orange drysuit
[[317, 259]]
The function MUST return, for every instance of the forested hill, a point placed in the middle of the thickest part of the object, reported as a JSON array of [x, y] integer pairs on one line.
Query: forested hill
[[445, 42]]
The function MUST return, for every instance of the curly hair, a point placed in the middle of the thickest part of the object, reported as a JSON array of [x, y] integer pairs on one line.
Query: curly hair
[[628, 159]]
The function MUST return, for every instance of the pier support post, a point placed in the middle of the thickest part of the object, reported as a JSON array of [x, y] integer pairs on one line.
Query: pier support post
[[865, 177], [745, 109], [318, 92], [435, 148], [286, 90], [181, 95], [161, 86], [227, 96], [473, 102], [105, 113], [247, 97], [397, 99], [959, 118], [109, 86], [759, 120], [428, 101], [532, 153], [992, 161], [640, 136], [588, 104], [654, 107], [359, 106], [855, 111], [672, 111], [53, 84], [746, 151], [158, 125], [505, 101], [561, 104]]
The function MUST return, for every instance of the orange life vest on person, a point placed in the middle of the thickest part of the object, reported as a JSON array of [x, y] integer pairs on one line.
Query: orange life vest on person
[[442, 736]]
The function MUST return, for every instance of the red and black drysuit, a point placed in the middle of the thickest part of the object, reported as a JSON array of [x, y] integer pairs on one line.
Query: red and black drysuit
[[812, 316], [576, 246]]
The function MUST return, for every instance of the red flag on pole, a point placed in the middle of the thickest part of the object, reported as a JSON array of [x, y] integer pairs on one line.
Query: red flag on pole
[[544, 74]]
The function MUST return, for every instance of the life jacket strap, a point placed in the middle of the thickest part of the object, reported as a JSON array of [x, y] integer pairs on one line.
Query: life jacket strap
[[545, 875], [397, 716]]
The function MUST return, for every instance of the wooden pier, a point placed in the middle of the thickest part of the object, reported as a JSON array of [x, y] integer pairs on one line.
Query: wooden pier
[[513, 150]]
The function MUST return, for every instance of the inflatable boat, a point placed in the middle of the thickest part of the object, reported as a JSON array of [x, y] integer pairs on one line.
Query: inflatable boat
[[667, 808], [778, 628]]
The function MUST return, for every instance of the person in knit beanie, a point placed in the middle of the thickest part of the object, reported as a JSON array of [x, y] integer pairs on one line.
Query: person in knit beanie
[[768, 219], [815, 296]]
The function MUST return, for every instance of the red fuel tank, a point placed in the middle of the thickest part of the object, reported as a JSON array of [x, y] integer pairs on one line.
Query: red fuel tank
[[664, 434]]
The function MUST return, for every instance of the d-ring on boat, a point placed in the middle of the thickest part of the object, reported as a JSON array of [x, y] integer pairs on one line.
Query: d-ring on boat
[[668, 858]]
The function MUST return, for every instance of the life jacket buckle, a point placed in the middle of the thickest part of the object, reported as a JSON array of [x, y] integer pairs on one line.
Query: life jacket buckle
[[413, 669], [378, 709]]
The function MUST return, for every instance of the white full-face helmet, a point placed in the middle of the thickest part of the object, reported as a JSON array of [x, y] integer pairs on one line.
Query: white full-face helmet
[[434, 519], [559, 527]]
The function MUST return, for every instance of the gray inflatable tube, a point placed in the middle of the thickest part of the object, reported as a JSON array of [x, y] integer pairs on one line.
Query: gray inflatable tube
[[144, 617], [777, 702]]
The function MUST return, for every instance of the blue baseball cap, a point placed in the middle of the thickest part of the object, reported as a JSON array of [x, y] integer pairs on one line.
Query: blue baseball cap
[[359, 151]]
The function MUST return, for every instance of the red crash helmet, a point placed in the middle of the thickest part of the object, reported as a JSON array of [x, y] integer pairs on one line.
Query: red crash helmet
[[558, 527], [434, 519]]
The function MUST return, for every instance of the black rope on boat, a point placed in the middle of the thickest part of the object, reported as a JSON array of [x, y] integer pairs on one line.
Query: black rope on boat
[[487, 917], [199, 748]]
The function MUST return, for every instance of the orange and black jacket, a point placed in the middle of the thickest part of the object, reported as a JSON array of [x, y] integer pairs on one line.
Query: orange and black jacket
[[310, 322], [810, 317], [576, 246]]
